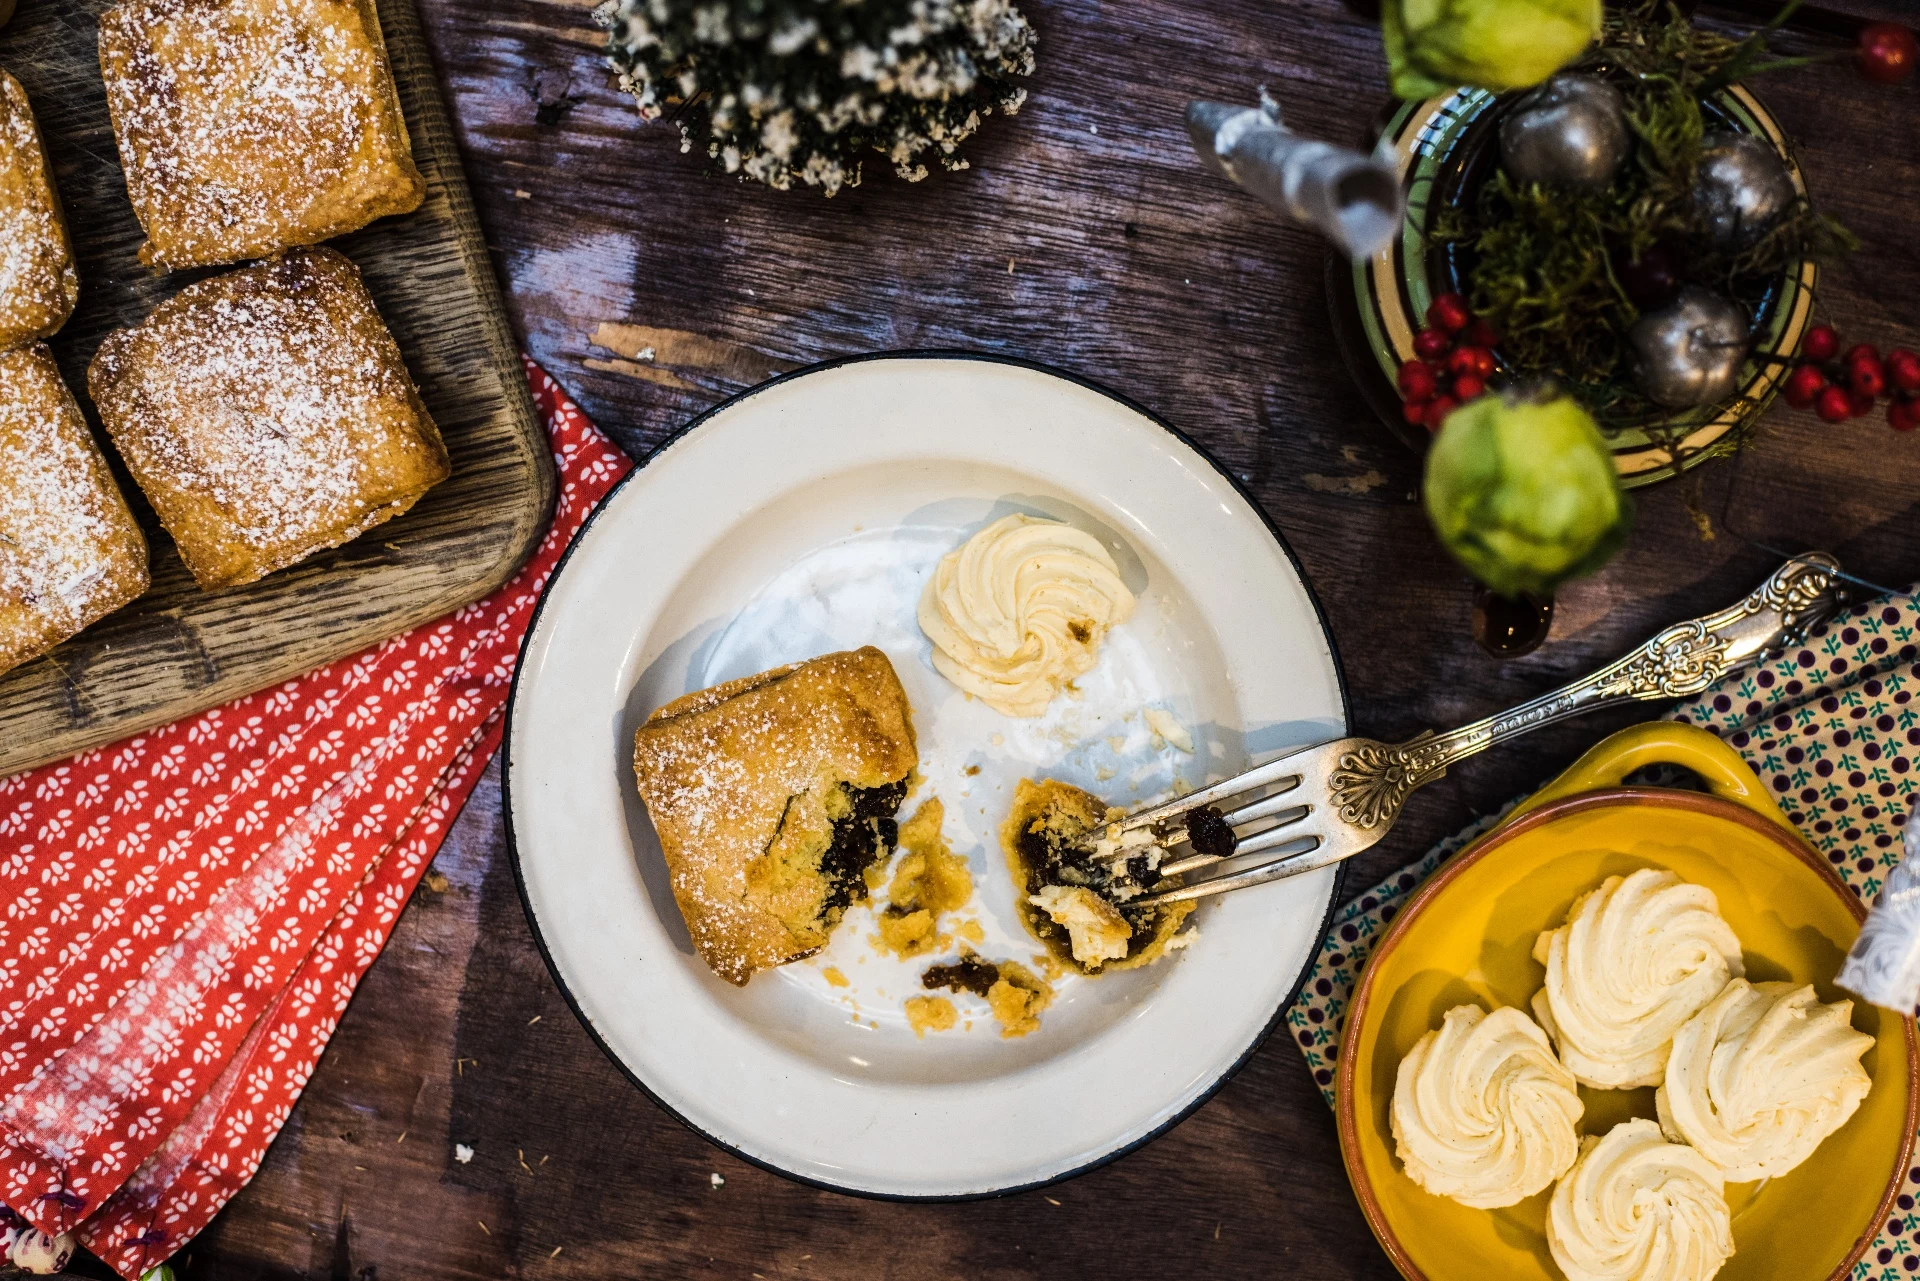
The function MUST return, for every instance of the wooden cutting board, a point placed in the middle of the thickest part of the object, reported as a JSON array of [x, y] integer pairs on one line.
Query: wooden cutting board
[[178, 650]]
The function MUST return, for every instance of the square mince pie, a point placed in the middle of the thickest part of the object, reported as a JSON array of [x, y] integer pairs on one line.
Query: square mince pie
[[267, 415], [772, 797], [70, 552], [38, 285], [251, 126]]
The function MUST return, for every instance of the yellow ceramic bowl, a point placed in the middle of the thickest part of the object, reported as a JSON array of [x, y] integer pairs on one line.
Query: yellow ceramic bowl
[[1468, 935]]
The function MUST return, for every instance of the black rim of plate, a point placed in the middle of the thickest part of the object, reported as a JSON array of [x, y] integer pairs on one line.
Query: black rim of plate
[[513, 844]]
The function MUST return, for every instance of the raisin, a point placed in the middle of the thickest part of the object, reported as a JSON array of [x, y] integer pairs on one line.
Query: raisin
[[1208, 830]]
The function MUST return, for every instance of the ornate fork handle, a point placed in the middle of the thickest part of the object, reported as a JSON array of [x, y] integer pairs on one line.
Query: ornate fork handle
[[1371, 781]]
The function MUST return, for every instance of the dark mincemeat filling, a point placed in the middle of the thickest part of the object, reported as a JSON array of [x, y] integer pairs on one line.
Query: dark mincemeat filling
[[1053, 859], [968, 974], [865, 835], [1208, 830]]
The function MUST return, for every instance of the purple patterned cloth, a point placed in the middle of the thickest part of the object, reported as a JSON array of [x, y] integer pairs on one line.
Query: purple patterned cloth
[[1833, 728]]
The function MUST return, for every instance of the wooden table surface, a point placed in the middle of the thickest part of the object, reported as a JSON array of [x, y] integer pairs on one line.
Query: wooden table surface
[[1085, 236]]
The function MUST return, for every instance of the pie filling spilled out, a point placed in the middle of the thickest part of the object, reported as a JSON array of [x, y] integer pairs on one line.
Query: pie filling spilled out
[[968, 974]]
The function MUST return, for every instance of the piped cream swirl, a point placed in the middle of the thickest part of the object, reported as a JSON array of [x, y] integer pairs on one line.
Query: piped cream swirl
[[1020, 609], [1761, 1076], [1637, 958], [1638, 1208], [1482, 1111]]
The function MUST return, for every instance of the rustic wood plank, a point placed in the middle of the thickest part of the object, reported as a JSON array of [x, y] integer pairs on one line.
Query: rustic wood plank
[[1131, 266], [177, 650]]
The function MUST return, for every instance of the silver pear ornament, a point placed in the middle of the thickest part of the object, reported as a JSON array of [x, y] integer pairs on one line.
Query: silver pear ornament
[[1741, 190], [1570, 132], [1690, 352]]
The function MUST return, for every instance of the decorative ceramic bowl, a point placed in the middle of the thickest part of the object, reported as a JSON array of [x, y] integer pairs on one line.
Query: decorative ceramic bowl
[[1468, 937], [1443, 148]]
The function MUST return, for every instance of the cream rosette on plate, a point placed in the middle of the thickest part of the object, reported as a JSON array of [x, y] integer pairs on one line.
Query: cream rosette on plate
[[1636, 959], [1482, 1110], [1638, 1208], [1020, 609], [1761, 1076]]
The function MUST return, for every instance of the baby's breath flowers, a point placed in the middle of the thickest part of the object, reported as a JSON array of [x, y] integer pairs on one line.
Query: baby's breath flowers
[[801, 90]]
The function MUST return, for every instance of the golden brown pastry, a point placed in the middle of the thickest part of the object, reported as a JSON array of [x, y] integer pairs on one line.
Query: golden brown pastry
[[266, 414], [929, 881], [1072, 885], [772, 795], [70, 552], [38, 285], [251, 126]]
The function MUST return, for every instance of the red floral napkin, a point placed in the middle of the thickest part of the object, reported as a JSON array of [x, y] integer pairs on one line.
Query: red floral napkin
[[184, 916]]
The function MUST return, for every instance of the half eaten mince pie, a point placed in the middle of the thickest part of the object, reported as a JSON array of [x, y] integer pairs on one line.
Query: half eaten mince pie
[[772, 795], [1073, 882]]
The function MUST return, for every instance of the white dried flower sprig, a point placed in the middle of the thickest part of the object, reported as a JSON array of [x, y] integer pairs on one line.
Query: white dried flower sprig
[[786, 90]]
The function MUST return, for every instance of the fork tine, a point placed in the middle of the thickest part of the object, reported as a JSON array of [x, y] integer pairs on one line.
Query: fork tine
[[1274, 837], [1278, 803], [1320, 854], [1265, 839], [1280, 771]]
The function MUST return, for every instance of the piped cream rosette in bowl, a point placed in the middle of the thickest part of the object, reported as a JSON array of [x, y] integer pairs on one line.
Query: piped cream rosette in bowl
[[1637, 958], [1637, 1206], [1637, 893], [1482, 1110], [1761, 1076]]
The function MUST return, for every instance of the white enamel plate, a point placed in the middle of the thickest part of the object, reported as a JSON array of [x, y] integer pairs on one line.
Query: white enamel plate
[[802, 518]]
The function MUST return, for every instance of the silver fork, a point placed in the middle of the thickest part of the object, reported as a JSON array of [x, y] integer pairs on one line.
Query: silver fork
[[1324, 804]]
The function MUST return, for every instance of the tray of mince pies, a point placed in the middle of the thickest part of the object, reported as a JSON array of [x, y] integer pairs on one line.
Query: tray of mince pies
[[259, 404]]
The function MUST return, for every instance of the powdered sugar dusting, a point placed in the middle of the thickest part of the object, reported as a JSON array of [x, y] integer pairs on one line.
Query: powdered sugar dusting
[[266, 414], [791, 733], [249, 126], [38, 284], [701, 781], [69, 550]]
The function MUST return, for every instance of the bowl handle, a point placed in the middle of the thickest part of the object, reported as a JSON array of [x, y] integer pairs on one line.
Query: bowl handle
[[1662, 743]]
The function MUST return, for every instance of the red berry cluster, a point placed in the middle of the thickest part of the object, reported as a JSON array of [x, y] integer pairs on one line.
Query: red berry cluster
[[1839, 387], [1455, 360]]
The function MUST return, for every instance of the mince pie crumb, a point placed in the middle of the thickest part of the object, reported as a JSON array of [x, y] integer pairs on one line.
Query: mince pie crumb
[[930, 1014], [929, 879]]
